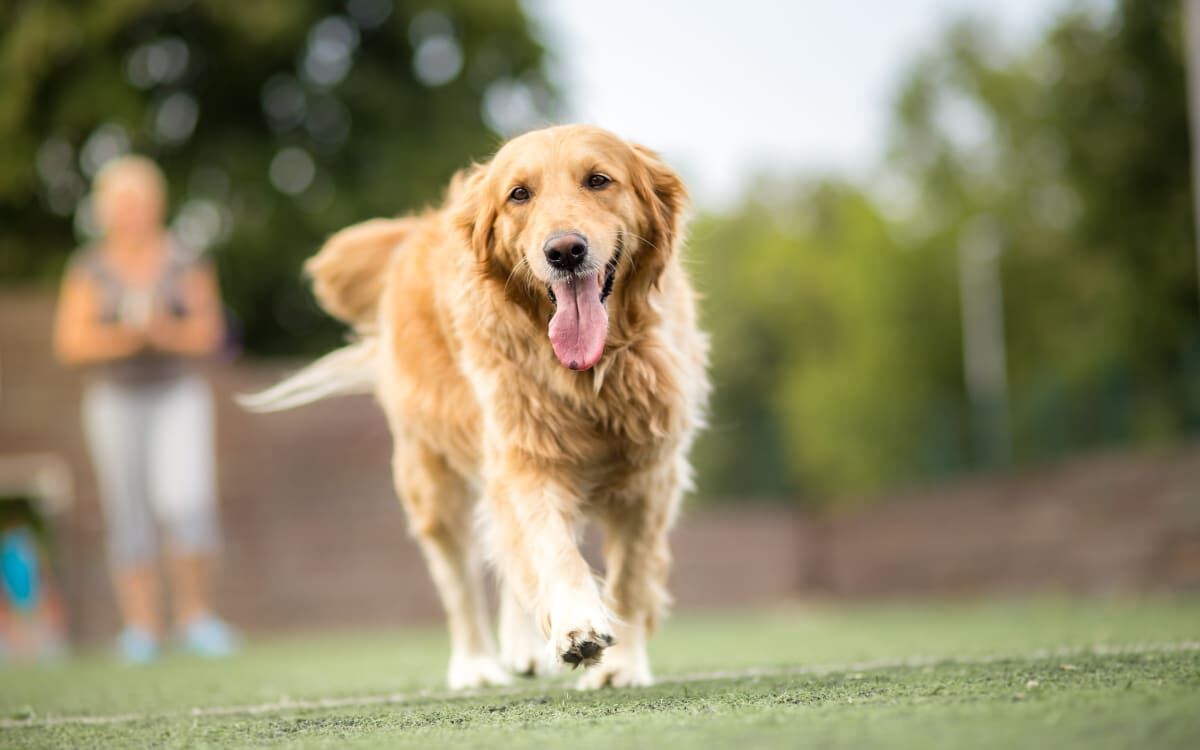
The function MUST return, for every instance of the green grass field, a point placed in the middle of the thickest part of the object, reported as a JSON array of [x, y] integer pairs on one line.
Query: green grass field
[[1042, 674]]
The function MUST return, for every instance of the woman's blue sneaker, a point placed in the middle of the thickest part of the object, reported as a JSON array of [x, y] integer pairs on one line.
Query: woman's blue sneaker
[[209, 636], [137, 646]]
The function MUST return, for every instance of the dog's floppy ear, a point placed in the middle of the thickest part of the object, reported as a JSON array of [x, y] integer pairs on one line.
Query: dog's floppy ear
[[664, 199], [348, 273], [474, 209]]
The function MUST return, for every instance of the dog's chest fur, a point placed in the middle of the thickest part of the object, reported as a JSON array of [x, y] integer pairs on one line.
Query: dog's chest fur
[[627, 409], [626, 416]]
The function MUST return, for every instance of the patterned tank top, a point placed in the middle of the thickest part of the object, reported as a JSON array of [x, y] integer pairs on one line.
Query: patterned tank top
[[119, 300]]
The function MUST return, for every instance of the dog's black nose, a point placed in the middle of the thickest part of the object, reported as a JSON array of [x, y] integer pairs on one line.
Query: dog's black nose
[[565, 250]]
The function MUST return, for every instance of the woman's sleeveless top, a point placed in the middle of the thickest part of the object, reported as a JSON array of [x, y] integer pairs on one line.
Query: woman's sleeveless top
[[116, 298]]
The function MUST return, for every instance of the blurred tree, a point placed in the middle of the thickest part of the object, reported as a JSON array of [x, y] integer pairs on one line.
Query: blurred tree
[[834, 348], [1073, 156], [277, 122], [835, 309]]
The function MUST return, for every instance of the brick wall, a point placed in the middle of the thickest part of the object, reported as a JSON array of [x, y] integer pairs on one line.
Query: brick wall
[[1099, 524]]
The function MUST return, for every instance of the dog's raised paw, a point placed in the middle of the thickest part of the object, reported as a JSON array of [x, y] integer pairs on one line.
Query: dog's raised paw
[[585, 648]]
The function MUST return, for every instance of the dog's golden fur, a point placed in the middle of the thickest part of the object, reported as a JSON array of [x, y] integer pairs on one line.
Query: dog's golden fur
[[454, 304]]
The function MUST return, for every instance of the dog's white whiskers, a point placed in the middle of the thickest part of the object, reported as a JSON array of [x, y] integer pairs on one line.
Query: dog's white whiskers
[[644, 240], [524, 261]]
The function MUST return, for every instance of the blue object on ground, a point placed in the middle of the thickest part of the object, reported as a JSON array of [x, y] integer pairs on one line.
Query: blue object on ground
[[19, 568], [209, 636], [137, 646]]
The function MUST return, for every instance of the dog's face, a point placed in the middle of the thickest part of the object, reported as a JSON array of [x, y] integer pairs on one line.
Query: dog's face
[[575, 213]]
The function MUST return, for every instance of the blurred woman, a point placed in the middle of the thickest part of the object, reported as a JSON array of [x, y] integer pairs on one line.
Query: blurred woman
[[137, 310]]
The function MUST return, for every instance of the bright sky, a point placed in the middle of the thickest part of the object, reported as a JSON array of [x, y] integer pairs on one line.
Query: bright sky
[[729, 88]]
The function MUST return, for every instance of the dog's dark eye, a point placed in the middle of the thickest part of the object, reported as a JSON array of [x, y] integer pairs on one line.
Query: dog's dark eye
[[598, 181], [519, 194]]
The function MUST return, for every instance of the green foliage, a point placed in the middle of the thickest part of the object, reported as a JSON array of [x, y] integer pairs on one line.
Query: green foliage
[[836, 310], [258, 89], [1080, 162], [829, 346]]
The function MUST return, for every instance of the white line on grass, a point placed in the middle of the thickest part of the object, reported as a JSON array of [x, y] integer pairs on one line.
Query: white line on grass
[[391, 699]]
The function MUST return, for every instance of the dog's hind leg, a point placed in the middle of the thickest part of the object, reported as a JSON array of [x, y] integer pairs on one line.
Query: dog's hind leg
[[439, 504]]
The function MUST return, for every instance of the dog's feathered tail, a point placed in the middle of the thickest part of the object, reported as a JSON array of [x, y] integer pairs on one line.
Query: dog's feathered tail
[[342, 372], [349, 272], [348, 279]]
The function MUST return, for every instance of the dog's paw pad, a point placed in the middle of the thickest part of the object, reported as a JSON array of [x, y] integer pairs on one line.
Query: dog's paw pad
[[585, 649]]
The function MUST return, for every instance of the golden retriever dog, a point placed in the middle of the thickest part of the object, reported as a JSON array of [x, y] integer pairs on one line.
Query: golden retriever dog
[[534, 344]]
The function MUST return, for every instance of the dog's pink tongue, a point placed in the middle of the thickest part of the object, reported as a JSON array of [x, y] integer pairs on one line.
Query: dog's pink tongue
[[580, 324]]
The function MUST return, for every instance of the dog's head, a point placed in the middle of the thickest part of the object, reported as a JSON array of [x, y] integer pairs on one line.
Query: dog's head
[[578, 217]]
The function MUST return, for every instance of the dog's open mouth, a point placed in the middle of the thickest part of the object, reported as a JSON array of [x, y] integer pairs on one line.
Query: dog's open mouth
[[580, 323]]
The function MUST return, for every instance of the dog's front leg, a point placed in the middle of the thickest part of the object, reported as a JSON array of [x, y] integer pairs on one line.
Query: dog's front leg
[[522, 645], [636, 519], [536, 550]]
